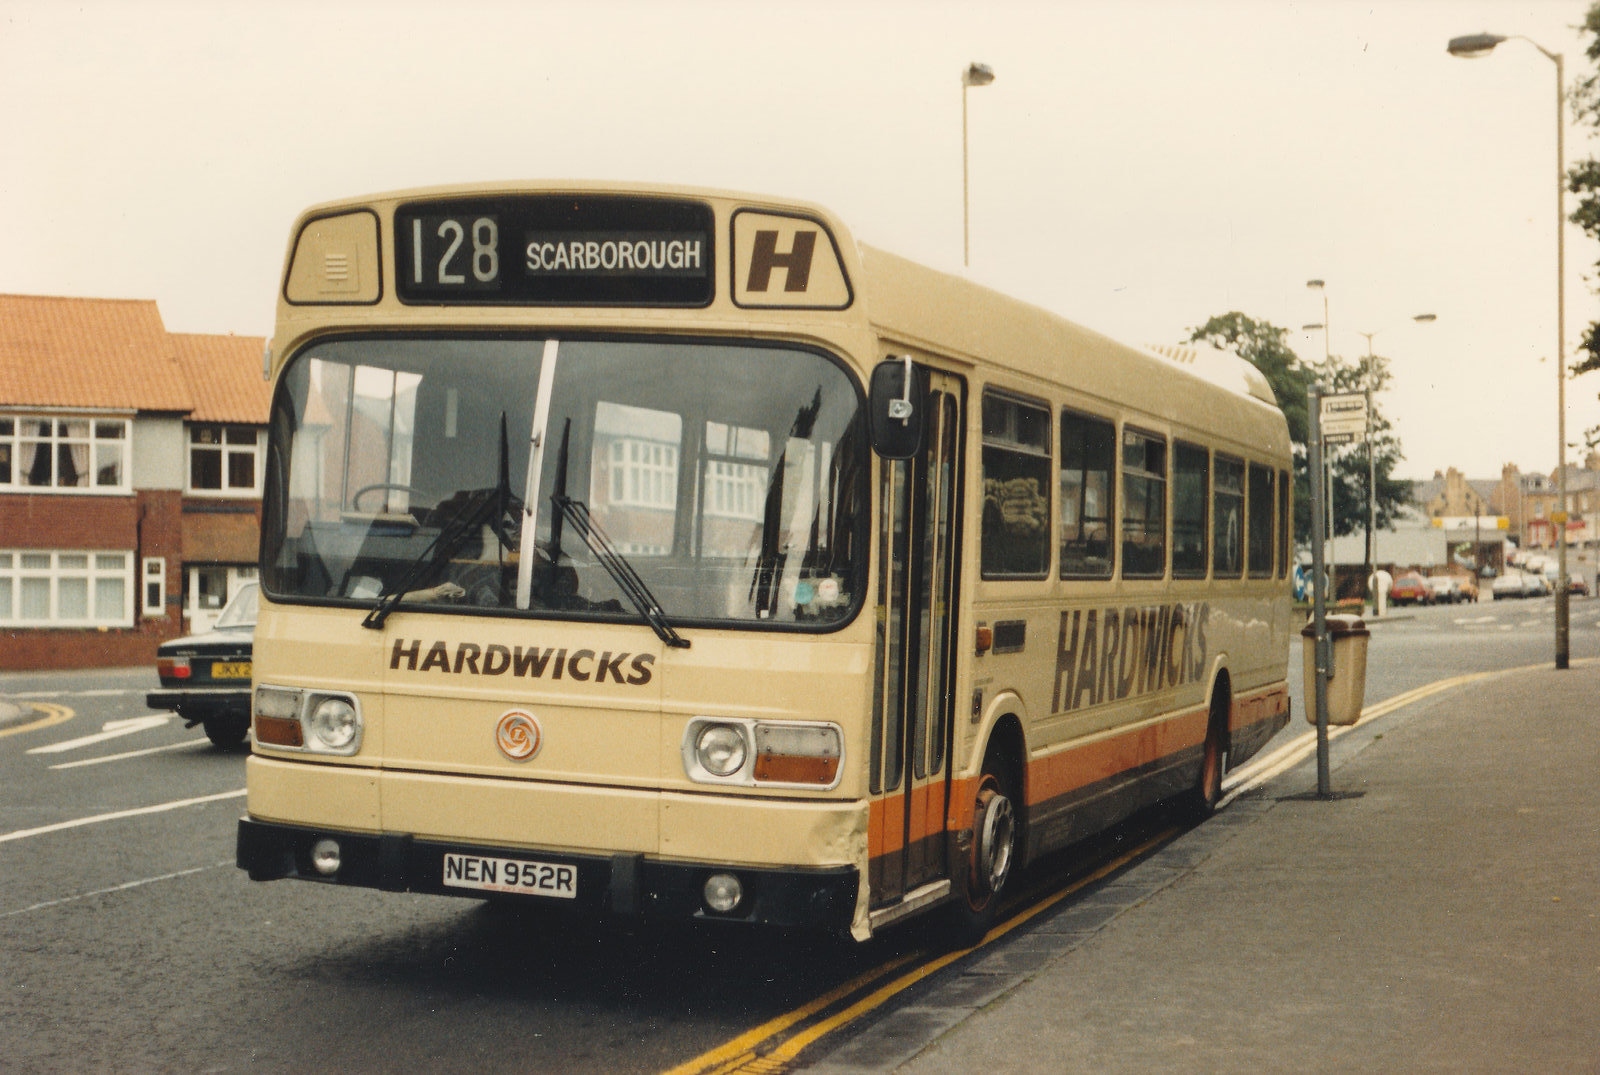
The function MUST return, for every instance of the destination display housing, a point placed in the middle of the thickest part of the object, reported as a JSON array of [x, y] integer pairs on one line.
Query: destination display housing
[[554, 250]]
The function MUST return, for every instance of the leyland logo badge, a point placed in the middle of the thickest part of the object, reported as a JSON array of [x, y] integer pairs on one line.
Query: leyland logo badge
[[518, 735]]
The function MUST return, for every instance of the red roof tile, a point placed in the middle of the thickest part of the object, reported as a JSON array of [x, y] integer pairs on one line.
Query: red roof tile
[[224, 374], [75, 352]]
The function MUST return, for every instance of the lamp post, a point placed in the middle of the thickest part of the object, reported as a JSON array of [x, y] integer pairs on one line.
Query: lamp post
[[1372, 468], [1475, 45], [976, 74], [1327, 476]]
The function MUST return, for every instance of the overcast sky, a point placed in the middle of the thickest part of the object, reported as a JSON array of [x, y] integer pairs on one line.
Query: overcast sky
[[1137, 166]]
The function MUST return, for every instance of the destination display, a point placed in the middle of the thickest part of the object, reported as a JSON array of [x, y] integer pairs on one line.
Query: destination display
[[551, 250]]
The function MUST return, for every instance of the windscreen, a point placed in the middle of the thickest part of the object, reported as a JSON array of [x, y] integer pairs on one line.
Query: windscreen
[[729, 477]]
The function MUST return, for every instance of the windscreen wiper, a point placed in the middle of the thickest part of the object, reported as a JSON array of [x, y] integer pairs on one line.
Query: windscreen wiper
[[480, 508], [620, 570]]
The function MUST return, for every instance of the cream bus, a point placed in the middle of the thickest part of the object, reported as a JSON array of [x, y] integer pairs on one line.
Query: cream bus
[[666, 552]]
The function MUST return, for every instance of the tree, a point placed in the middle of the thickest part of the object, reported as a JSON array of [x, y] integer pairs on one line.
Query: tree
[[1265, 346], [1583, 180]]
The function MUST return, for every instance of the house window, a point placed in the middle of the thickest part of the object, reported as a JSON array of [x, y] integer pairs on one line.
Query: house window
[[47, 588], [224, 459], [64, 455], [154, 589], [644, 474]]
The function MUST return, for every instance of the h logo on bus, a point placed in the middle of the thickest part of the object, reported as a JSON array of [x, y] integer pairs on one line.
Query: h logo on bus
[[764, 257], [785, 261]]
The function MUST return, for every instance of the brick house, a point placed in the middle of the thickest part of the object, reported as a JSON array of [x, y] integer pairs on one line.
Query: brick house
[[126, 474]]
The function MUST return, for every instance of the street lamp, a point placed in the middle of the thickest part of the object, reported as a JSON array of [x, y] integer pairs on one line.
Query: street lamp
[[1327, 459], [976, 74], [1372, 468], [1474, 45]]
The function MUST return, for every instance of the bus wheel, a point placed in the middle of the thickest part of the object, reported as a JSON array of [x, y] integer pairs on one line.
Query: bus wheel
[[1201, 801], [981, 880]]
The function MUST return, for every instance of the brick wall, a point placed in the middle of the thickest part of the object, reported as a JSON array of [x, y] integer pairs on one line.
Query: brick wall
[[149, 523]]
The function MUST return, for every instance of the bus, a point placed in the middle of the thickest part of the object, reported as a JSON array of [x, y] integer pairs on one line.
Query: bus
[[665, 552]]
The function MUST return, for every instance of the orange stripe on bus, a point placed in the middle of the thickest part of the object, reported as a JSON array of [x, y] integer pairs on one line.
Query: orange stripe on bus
[[1067, 771]]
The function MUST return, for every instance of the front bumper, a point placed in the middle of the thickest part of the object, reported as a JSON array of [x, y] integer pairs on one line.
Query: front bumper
[[823, 897], [201, 700]]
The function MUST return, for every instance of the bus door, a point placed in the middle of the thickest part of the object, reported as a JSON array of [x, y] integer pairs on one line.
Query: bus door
[[918, 544]]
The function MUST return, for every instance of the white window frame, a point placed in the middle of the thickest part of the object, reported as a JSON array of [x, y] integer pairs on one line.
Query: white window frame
[[256, 450], [14, 571], [153, 571], [14, 435], [198, 619], [644, 473], [735, 490]]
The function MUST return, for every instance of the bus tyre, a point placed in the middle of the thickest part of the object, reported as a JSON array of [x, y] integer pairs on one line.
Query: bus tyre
[[1201, 801], [981, 879]]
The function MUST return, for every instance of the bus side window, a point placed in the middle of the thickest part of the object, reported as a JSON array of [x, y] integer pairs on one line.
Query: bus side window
[[1016, 488], [1227, 520], [1088, 457], [1284, 490], [1260, 521], [1144, 505], [1191, 474]]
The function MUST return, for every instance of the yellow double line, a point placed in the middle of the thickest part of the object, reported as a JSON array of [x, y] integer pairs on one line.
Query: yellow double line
[[1265, 768], [774, 1046], [54, 714], [771, 1048]]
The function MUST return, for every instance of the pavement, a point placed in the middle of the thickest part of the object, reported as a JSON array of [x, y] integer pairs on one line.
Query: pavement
[[12, 713], [1439, 916]]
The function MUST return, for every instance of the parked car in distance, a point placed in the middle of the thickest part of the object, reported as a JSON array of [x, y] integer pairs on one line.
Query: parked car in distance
[[1508, 585], [1446, 590], [1577, 584], [1410, 589], [205, 678]]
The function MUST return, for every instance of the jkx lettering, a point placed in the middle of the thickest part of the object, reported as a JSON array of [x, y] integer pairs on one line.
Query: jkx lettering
[[796, 264]]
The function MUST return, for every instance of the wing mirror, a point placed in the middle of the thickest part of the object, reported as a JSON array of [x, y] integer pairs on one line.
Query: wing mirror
[[895, 399]]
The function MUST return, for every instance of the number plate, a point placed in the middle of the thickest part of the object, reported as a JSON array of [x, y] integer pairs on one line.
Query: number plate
[[230, 670], [511, 875]]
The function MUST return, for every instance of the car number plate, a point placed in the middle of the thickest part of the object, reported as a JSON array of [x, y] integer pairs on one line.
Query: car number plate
[[230, 670], [511, 875]]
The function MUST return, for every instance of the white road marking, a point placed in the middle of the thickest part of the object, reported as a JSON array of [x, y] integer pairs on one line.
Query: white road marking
[[114, 888], [177, 804], [1478, 619], [111, 729], [130, 754]]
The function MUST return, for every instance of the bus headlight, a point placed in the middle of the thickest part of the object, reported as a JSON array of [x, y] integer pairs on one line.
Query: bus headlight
[[787, 753], [307, 720], [720, 749], [334, 724]]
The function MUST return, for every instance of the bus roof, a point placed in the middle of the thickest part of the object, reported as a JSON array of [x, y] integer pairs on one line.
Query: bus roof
[[943, 313], [900, 299]]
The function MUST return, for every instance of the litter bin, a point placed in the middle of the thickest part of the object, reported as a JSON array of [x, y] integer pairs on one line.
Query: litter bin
[[1347, 671]]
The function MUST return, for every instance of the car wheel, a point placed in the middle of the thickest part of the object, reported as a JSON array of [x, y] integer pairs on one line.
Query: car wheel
[[227, 732]]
